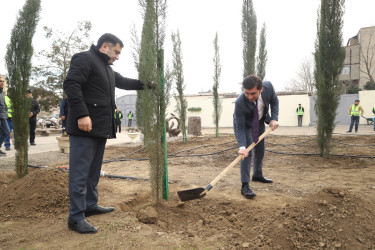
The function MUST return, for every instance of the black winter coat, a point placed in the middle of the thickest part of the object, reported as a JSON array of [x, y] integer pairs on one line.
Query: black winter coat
[[90, 88], [34, 108]]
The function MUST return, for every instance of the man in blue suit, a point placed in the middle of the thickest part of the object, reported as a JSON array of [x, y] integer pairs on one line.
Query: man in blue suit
[[259, 96]]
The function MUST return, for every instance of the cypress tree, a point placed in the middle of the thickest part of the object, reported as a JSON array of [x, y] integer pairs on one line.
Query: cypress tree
[[217, 71], [262, 54], [150, 108], [249, 37], [178, 75], [18, 62], [329, 58]]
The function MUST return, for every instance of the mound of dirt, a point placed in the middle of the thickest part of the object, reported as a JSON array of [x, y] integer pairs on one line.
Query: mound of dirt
[[331, 218], [37, 195]]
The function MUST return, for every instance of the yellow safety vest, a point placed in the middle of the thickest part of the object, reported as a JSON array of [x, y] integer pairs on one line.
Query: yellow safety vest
[[119, 115], [355, 111], [8, 102], [300, 111]]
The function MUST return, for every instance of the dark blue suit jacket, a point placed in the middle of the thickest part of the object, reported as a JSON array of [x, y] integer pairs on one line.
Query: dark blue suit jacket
[[244, 109]]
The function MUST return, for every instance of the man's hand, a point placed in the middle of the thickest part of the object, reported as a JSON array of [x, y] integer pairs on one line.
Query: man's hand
[[274, 124], [85, 124], [63, 117], [244, 153]]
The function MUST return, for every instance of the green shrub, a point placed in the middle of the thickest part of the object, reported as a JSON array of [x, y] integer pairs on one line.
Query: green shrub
[[353, 89], [195, 109], [369, 85]]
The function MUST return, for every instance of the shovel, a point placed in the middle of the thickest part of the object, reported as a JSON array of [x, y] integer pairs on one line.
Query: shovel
[[197, 193]]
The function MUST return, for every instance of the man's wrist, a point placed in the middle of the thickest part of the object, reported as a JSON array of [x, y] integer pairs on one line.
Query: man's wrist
[[242, 147]]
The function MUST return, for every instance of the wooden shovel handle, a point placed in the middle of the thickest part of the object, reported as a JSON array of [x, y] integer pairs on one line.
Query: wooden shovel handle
[[236, 161]]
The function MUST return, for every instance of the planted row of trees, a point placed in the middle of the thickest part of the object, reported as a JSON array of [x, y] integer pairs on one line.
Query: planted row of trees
[[148, 55]]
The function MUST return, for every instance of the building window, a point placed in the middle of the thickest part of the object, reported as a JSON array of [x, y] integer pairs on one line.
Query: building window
[[345, 70]]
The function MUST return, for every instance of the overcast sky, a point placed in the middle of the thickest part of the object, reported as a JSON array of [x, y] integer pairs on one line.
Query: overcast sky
[[291, 33]]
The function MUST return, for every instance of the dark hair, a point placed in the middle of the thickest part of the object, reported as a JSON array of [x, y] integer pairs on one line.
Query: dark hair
[[356, 101], [109, 38], [252, 81], [29, 91]]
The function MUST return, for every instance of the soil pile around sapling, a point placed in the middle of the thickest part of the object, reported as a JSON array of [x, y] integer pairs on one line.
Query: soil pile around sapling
[[41, 193]]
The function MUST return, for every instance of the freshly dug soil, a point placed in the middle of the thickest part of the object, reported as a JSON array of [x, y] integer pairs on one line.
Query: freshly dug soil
[[314, 202]]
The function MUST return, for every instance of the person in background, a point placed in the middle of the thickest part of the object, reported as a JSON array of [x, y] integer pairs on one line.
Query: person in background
[[354, 112], [8, 102], [63, 115], [4, 129], [90, 88], [250, 113], [130, 118], [34, 111], [373, 111], [118, 117], [300, 110]]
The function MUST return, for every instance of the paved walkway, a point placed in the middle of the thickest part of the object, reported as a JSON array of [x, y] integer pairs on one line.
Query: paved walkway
[[46, 144], [49, 143]]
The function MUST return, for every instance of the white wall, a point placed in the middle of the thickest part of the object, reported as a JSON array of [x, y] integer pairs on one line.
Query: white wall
[[287, 109]]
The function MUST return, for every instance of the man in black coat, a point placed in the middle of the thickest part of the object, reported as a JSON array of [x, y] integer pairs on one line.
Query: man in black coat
[[34, 111], [90, 88], [118, 117]]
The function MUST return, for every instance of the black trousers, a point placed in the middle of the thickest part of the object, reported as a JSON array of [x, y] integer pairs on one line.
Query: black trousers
[[129, 122], [85, 163], [32, 123], [118, 126]]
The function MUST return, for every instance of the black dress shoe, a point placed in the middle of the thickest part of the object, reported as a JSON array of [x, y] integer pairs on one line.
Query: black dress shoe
[[247, 192], [98, 210], [33, 143], [82, 227], [262, 179]]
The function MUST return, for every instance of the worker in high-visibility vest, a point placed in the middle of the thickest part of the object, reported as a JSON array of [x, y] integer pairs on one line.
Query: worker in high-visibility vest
[[300, 110], [354, 112], [118, 117], [130, 118], [4, 129], [8, 102]]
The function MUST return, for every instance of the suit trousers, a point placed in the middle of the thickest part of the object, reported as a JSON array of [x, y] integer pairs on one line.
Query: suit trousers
[[85, 163], [258, 152]]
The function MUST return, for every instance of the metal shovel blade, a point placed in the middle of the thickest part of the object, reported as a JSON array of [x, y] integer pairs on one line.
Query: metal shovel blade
[[191, 194]]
